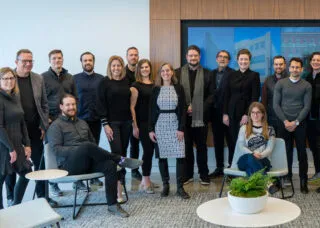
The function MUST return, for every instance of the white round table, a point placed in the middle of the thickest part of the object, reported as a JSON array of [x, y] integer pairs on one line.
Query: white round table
[[276, 212]]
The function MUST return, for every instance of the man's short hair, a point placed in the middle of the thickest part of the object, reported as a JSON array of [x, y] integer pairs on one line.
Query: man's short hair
[[244, 52], [279, 57], [132, 48], [225, 51], [55, 51], [87, 53], [296, 59], [193, 47], [66, 95], [22, 51]]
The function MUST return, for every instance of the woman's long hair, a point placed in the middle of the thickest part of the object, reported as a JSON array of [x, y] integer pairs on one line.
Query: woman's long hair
[[6, 70], [159, 81], [265, 130], [123, 71], [138, 70]]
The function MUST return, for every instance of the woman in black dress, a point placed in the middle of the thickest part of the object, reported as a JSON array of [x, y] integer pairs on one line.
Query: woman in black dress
[[243, 88], [15, 150], [140, 97]]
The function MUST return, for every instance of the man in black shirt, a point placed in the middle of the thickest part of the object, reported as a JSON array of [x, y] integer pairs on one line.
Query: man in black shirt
[[132, 57]]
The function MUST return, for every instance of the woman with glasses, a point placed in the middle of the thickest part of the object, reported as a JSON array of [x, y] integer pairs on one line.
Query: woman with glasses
[[15, 150]]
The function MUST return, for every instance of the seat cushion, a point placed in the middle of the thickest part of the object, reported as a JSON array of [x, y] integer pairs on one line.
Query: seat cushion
[[74, 178]]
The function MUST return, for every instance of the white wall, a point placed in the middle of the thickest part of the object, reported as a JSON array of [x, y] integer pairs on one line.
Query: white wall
[[104, 27]]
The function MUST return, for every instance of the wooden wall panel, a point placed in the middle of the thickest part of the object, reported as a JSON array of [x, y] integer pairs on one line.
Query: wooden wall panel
[[165, 9], [165, 43], [291, 9], [311, 9]]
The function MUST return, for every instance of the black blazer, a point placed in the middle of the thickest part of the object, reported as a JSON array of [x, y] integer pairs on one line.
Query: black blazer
[[241, 90], [315, 102], [180, 111]]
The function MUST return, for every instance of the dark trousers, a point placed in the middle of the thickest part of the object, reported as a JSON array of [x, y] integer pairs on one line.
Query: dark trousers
[[36, 155], [164, 171], [250, 164], [89, 158], [299, 136], [197, 135], [95, 128], [134, 147], [148, 148], [234, 127], [313, 133], [119, 144], [219, 131], [275, 123]]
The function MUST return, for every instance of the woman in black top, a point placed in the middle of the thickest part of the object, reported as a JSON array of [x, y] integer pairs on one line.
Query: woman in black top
[[242, 89], [140, 97], [15, 150], [113, 106]]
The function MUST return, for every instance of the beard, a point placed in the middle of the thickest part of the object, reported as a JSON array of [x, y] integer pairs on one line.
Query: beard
[[67, 114], [88, 68], [194, 64]]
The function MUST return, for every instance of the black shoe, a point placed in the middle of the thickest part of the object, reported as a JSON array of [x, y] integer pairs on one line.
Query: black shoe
[[136, 174], [205, 180], [216, 173], [117, 210], [273, 188], [9, 202], [130, 163], [303, 186], [318, 190], [96, 182], [81, 186], [165, 190], [55, 190], [52, 202], [182, 193]]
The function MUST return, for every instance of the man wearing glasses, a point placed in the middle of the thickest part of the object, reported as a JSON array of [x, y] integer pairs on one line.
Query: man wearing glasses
[[291, 103], [219, 130], [35, 106]]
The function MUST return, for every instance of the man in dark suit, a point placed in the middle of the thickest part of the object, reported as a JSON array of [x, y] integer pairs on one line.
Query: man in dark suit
[[219, 130]]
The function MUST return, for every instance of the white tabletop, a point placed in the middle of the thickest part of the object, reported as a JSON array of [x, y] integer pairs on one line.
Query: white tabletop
[[47, 174], [276, 212]]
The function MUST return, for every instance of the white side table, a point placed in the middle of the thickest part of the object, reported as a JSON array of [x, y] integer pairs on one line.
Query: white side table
[[276, 212]]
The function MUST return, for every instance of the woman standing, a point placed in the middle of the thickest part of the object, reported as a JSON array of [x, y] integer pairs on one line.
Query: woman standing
[[15, 150], [242, 89], [166, 126], [140, 99], [114, 109]]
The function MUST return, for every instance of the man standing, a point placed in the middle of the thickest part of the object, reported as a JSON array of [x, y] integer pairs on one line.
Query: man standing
[[34, 103], [87, 83], [279, 67], [313, 126], [291, 103], [199, 90], [132, 60], [219, 130], [72, 142], [57, 82]]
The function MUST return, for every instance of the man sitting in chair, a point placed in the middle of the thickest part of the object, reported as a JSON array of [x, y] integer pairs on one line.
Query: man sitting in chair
[[72, 142]]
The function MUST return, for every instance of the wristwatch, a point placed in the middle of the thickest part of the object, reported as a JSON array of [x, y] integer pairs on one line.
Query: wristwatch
[[297, 122]]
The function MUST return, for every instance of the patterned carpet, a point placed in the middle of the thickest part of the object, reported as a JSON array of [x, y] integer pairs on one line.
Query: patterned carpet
[[152, 211]]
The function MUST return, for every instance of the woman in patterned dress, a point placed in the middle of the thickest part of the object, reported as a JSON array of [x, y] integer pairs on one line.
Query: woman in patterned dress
[[166, 126]]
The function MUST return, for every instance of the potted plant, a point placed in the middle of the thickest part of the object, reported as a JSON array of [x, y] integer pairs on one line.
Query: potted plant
[[248, 195]]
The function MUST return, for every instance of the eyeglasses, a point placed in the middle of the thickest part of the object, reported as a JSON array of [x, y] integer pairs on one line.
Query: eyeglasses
[[256, 113], [8, 79], [223, 57], [25, 61]]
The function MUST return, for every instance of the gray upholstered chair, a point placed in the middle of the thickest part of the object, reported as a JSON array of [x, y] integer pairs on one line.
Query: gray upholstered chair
[[278, 162]]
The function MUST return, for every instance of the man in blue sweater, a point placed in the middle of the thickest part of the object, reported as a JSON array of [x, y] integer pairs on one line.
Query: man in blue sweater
[[291, 103]]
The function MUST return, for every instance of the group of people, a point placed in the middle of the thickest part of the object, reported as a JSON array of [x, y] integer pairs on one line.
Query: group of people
[[168, 115]]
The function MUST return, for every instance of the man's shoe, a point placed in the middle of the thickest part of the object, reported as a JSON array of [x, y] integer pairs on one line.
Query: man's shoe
[[303, 186], [117, 210], [286, 181], [96, 182], [273, 188], [318, 190], [188, 181], [81, 186], [10, 202], [136, 174], [218, 172], [182, 193], [205, 180], [52, 202], [130, 163], [315, 179], [165, 190], [55, 190]]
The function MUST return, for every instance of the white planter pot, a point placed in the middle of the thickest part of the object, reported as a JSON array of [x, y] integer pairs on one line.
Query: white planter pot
[[247, 205]]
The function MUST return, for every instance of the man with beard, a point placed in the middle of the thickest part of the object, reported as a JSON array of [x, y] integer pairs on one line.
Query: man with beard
[[199, 90], [87, 84], [132, 60], [279, 67], [219, 130], [72, 142], [57, 81], [291, 103]]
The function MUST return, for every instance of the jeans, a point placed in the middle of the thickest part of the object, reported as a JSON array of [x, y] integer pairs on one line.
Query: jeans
[[250, 164]]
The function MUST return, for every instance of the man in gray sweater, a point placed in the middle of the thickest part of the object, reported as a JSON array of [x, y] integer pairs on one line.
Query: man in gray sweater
[[291, 103]]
